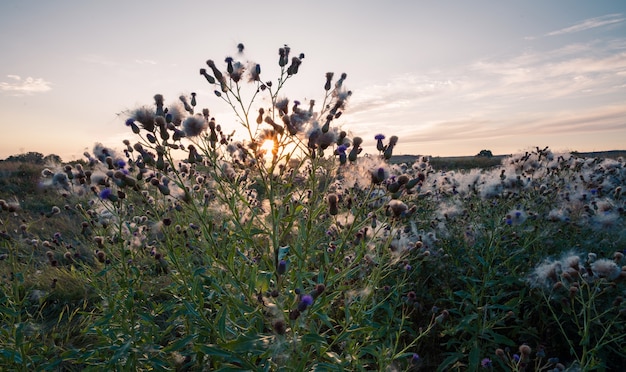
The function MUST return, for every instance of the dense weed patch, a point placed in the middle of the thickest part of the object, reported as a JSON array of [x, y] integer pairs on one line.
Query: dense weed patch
[[286, 248]]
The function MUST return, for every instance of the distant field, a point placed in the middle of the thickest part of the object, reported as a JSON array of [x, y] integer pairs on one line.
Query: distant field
[[11, 168], [470, 162], [613, 154]]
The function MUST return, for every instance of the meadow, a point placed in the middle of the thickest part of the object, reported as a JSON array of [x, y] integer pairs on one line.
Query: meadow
[[283, 247]]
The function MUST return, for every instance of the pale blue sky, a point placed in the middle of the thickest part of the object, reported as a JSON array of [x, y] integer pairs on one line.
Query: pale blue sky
[[447, 77]]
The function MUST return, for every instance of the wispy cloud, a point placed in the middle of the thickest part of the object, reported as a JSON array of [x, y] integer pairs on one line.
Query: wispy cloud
[[551, 76], [402, 92], [574, 72], [145, 62], [454, 136], [590, 23], [571, 90], [17, 86], [565, 122], [104, 61], [590, 120]]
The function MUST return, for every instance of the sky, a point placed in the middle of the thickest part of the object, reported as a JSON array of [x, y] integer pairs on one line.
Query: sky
[[448, 77]]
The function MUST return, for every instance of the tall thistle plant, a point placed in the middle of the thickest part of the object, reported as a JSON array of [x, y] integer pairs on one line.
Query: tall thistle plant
[[257, 180]]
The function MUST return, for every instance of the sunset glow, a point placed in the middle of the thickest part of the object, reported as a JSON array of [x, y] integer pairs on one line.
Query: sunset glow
[[448, 78]]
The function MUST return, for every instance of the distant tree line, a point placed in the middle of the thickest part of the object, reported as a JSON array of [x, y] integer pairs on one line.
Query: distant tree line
[[485, 154], [33, 157]]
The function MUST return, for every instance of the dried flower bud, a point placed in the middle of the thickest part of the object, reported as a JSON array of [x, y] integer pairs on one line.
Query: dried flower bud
[[294, 314], [329, 78], [318, 290], [101, 256], [333, 208], [525, 350], [280, 327]]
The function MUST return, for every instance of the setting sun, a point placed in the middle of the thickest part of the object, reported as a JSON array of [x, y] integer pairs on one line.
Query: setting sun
[[267, 146]]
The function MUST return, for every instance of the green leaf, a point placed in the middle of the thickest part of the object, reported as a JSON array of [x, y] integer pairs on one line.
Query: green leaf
[[11, 355], [334, 357], [372, 350], [227, 355], [449, 361], [463, 294], [313, 339], [199, 271], [179, 344], [482, 261], [221, 323], [249, 344], [159, 364], [467, 320], [216, 351], [474, 357], [191, 310], [120, 352], [20, 277], [8, 312], [255, 231], [501, 340], [323, 317]]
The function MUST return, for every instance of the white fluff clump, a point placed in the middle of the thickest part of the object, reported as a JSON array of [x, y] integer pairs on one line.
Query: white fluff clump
[[193, 126], [605, 268]]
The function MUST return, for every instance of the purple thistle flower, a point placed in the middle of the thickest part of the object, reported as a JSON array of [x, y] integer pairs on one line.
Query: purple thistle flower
[[341, 151], [282, 267], [305, 301], [105, 193], [119, 163], [485, 363], [379, 142], [131, 123]]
